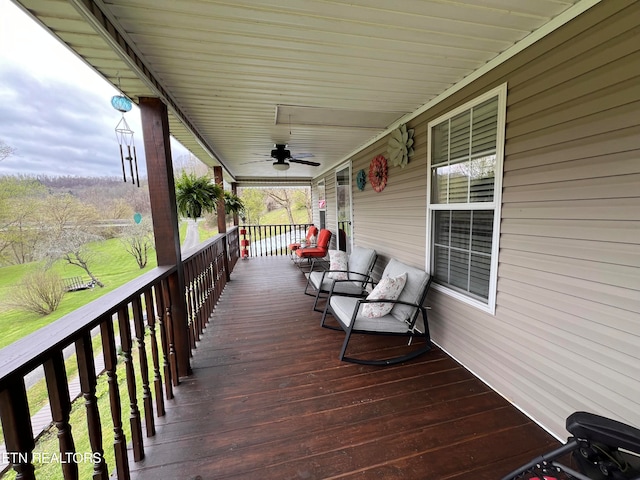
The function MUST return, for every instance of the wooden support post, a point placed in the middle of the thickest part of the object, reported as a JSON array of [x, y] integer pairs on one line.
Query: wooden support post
[[162, 194], [234, 190], [222, 219]]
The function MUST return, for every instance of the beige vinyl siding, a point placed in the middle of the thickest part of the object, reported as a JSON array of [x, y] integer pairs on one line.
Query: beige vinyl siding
[[393, 221], [567, 321], [566, 330]]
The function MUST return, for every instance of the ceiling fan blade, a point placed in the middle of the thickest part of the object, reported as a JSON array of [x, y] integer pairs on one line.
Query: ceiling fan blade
[[303, 162], [257, 161]]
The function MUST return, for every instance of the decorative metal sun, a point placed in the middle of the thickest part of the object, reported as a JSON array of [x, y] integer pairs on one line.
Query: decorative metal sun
[[378, 173], [361, 179], [400, 146]]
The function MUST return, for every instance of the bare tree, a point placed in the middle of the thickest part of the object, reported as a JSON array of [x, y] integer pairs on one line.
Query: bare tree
[[137, 240], [6, 151], [283, 197], [64, 211], [190, 164], [71, 246], [39, 292]]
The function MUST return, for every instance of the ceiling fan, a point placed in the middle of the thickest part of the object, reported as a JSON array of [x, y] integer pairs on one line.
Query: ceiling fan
[[283, 158]]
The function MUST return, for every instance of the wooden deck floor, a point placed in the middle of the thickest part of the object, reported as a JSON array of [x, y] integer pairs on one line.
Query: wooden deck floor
[[269, 399]]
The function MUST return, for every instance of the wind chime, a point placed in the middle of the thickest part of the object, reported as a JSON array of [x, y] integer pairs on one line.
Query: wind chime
[[124, 134]]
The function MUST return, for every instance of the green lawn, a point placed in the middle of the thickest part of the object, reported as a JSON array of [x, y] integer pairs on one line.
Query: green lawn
[[114, 267], [279, 217], [110, 263]]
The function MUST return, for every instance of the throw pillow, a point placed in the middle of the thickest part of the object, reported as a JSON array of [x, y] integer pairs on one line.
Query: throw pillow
[[389, 288], [338, 261]]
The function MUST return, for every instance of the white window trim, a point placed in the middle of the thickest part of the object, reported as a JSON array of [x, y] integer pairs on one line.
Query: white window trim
[[321, 183], [496, 205], [335, 178]]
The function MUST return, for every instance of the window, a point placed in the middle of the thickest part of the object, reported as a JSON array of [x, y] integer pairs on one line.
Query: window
[[465, 168]]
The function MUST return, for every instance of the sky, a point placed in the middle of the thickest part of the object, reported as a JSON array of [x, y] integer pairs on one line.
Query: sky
[[54, 110]]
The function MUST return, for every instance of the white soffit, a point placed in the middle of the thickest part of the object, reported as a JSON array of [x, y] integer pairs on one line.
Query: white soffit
[[338, 74], [334, 117]]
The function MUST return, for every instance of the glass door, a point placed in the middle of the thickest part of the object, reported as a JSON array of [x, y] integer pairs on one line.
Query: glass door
[[343, 208]]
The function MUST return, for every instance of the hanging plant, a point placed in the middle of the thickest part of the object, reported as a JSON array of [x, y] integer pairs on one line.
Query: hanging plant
[[378, 173], [233, 203], [196, 195], [400, 146]]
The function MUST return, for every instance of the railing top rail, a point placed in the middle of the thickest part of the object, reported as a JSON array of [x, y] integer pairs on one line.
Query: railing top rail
[[27, 353], [187, 254], [266, 225]]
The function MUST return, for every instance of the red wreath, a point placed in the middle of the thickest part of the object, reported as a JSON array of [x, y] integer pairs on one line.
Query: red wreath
[[378, 173]]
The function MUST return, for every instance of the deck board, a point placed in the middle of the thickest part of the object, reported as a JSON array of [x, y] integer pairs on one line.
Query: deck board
[[269, 399]]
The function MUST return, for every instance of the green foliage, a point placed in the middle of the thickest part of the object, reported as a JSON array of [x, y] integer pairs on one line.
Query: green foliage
[[20, 210], [233, 203], [255, 206], [196, 195]]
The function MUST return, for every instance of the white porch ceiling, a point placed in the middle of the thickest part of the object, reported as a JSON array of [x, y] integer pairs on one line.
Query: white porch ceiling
[[323, 76]]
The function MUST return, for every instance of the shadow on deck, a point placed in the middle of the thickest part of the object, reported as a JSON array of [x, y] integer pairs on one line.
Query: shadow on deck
[[268, 399]]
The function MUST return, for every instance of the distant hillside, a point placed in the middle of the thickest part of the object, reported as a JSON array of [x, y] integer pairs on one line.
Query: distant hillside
[[100, 190]]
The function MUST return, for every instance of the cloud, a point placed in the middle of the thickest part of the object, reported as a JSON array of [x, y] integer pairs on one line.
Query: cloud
[[58, 128], [55, 111]]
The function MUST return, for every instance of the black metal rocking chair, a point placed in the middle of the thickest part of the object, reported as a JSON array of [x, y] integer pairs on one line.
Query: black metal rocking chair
[[402, 320]]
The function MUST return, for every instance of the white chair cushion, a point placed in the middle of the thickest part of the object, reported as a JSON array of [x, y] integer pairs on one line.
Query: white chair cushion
[[338, 261], [349, 288], [343, 309], [389, 288], [361, 262], [416, 283]]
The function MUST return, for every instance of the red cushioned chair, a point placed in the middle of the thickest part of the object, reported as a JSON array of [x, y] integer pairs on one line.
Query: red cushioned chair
[[312, 232], [320, 250]]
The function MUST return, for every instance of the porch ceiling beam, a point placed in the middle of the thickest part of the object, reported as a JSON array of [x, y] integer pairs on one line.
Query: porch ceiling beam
[[94, 14]]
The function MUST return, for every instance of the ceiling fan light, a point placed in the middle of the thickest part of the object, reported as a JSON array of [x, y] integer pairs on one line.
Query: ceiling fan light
[[281, 166]]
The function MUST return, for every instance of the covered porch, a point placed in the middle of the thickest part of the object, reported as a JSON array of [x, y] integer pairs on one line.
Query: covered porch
[[269, 399], [261, 393]]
